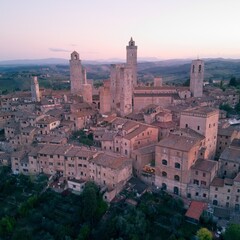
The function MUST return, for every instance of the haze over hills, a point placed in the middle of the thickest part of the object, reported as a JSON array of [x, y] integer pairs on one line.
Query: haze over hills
[[47, 61], [53, 72]]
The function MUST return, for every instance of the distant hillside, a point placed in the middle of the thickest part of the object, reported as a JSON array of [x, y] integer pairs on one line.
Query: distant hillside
[[54, 72], [179, 71]]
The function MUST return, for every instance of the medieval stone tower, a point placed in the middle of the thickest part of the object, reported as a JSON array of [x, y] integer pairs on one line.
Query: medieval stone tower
[[35, 90], [121, 81], [132, 59], [196, 78], [76, 73], [78, 78]]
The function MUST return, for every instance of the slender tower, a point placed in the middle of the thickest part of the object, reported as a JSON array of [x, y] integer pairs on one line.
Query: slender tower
[[196, 78], [35, 89], [126, 93], [132, 59], [76, 73]]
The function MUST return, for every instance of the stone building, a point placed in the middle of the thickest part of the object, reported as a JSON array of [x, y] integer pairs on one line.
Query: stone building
[[143, 161], [164, 96], [157, 82], [229, 160], [203, 120], [110, 172], [175, 155], [225, 137], [197, 77], [202, 174], [123, 136]]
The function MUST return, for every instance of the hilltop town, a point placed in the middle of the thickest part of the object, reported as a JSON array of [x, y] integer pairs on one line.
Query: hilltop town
[[173, 138]]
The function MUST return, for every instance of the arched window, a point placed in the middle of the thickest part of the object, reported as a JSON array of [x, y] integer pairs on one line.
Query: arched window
[[177, 165], [164, 186], [193, 68], [176, 190], [215, 202], [164, 162], [176, 178], [164, 174]]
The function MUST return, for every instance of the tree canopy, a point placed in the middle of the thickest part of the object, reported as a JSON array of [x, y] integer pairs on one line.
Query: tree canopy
[[232, 232], [204, 234]]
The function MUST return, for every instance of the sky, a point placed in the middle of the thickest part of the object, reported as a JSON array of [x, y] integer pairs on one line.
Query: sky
[[101, 29]]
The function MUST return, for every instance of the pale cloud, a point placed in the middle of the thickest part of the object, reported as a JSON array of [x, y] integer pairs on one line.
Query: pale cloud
[[59, 50]]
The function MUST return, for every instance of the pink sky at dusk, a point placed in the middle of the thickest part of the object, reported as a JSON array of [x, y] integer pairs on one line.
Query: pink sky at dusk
[[101, 29]]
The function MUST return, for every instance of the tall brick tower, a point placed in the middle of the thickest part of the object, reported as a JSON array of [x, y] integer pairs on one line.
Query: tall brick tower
[[196, 78], [126, 91], [76, 73], [132, 59], [121, 89], [35, 89]]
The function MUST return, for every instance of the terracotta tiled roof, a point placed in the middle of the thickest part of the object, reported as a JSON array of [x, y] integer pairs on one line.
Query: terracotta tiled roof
[[204, 165], [111, 161], [217, 182], [195, 210], [179, 142]]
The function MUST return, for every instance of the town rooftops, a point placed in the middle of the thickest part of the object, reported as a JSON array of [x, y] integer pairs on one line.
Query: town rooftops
[[111, 161], [237, 178], [204, 165], [200, 111], [47, 120], [231, 154], [235, 143], [136, 132], [130, 125], [219, 182], [226, 131], [108, 136], [66, 150], [181, 143], [146, 149], [188, 132], [76, 151], [28, 129]]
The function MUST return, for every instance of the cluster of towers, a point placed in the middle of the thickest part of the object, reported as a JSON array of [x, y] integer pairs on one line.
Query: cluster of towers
[[117, 96], [123, 79]]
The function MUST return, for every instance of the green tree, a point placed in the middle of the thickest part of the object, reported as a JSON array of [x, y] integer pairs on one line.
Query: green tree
[[7, 225], [84, 232], [237, 107], [233, 81], [89, 202], [204, 234], [232, 232]]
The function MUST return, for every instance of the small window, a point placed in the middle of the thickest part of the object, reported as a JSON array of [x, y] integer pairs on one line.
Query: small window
[[199, 68], [164, 162], [164, 174], [177, 165], [176, 178]]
